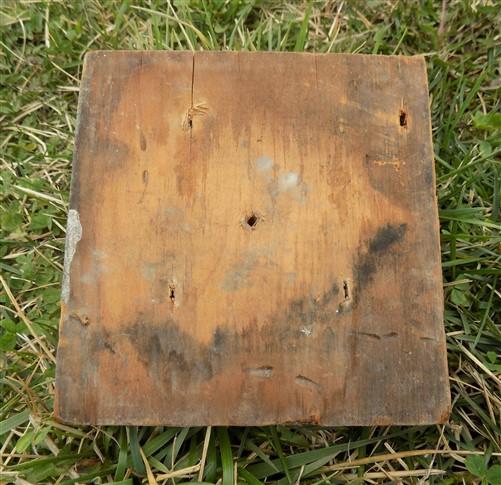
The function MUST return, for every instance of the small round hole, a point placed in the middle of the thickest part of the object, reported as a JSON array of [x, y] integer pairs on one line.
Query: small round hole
[[252, 220]]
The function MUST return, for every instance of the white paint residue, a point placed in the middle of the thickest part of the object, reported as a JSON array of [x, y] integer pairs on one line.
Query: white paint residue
[[264, 164], [288, 181], [73, 236]]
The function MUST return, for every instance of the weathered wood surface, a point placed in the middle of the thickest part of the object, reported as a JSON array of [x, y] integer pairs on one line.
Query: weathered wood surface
[[252, 239]]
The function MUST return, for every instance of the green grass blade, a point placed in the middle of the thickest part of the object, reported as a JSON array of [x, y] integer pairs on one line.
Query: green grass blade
[[226, 455], [122, 456], [303, 31], [14, 421], [135, 455]]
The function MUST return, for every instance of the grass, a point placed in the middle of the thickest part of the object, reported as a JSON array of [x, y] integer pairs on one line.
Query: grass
[[41, 50]]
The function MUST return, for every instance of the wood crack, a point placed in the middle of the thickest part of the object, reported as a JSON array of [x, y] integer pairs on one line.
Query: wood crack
[[190, 112]]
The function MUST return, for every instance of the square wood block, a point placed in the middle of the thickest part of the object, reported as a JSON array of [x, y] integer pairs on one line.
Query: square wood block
[[252, 238]]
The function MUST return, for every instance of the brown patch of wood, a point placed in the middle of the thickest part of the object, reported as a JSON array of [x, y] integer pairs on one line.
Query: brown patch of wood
[[253, 239]]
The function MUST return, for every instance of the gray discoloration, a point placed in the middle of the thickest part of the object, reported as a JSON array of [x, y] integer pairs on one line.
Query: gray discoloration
[[149, 271], [288, 181], [170, 355], [282, 182], [97, 268], [264, 164], [370, 257], [174, 215], [238, 275], [175, 219], [114, 153], [73, 236], [345, 307]]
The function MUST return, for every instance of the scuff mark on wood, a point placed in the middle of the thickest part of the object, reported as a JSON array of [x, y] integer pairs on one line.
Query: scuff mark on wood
[[307, 382], [391, 162], [265, 371], [376, 336]]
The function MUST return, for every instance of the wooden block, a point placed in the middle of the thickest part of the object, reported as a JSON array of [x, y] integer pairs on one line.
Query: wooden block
[[253, 238]]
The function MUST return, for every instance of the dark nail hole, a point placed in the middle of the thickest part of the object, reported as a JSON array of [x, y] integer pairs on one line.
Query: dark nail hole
[[346, 288], [172, 293], [252, 220], [190, 122], [403, 118]]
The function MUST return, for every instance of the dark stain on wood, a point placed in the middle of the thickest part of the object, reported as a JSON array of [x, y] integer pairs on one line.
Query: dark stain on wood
[[142, 141], [372, 252]]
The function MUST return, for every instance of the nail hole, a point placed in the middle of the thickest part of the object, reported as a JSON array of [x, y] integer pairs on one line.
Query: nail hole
[[346, 289], [403, 118], [172, 293], [252, 220]]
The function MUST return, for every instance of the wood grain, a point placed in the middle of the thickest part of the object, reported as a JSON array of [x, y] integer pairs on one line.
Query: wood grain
[[253, 239]]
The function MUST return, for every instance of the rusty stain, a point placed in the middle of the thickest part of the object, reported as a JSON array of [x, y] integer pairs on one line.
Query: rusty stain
[[382, 421], [313, 419], [392, 162], [444, 416], [82, 319]]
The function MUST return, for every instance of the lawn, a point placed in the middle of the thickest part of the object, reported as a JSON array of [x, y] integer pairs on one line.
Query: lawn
[[42, 45]]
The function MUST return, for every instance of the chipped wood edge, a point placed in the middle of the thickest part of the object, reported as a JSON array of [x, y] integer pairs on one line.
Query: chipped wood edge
[[73, 227]]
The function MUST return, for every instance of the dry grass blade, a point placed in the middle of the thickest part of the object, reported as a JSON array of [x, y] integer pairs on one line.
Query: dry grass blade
[[397, 456], [391, 475], [487, 371], [149, 473], [183, 472], [23, 317], [204, 453]]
